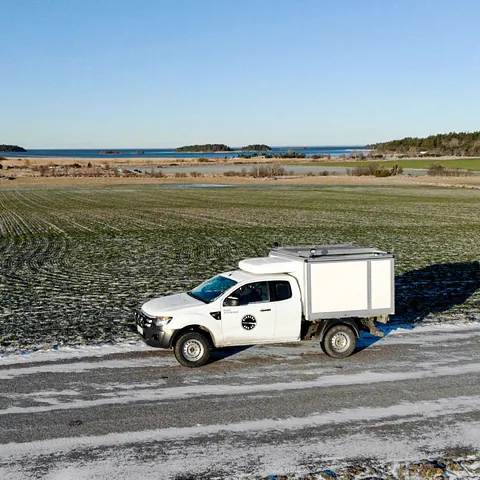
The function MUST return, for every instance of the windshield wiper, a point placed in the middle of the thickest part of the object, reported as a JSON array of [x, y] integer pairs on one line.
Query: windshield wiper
[[196, 297]]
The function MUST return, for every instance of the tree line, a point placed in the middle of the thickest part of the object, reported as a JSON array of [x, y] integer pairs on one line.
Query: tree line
[[207, 147], [220, 147], [256, 147], [453, 143], [11, 148]]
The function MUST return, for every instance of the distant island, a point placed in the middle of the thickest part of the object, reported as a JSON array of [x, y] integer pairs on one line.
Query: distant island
[[220, 147], [110, 152], [11, 148], [462, 143], [208, 147], [257, 147]]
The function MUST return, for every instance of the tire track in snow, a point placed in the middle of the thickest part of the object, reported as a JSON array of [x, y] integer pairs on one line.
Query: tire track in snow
[[215, 390], [405, 412]]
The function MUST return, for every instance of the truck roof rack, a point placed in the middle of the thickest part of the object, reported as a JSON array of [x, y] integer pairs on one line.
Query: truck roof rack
[[316, 251]]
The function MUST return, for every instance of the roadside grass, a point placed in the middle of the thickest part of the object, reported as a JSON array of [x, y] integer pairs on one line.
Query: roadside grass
[[463, 163], [76, 261]]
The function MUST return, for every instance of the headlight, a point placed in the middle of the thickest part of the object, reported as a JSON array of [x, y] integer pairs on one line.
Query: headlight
[[161, 321]]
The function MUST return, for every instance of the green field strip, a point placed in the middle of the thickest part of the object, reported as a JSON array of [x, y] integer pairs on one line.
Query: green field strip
[[462, 163]]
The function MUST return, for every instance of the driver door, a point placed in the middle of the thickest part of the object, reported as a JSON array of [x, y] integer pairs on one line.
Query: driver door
[[253, 319]]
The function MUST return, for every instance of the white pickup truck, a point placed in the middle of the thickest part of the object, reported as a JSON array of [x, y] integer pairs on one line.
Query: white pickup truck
[[328, 293]]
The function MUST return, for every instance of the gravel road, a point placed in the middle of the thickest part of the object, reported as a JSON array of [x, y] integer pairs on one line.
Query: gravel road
[[255, 411]]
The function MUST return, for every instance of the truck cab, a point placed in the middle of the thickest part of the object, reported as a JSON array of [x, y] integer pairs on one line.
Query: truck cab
[[266, 300], [233, 308]]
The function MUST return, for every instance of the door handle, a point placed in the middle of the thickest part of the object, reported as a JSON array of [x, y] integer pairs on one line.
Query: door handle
[[266, 310]]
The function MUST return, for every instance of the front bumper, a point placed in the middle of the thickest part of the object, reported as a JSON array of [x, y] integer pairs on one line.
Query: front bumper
[[159, 337]]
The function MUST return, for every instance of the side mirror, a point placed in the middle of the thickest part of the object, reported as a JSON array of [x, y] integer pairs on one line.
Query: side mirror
[[231, 302]]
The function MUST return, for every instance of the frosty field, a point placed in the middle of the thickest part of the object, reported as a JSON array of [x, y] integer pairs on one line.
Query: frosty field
[[75, 262]]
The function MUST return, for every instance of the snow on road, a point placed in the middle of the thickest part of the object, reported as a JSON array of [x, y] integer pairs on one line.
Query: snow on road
[[123, 394], [134, 413]]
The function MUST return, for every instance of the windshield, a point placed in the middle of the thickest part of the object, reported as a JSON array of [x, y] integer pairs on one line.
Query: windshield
[[211, 289]]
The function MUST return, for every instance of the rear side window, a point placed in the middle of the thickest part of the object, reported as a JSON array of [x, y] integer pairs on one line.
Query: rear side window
[[280, 290]]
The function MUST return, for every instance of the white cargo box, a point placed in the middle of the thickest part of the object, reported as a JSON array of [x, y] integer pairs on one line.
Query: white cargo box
[[335, 280]]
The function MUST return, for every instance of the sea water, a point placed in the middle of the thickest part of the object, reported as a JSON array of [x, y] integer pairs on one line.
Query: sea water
[[334, 151]]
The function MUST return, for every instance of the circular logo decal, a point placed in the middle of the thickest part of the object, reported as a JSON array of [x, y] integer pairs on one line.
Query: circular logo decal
[[249, 322]]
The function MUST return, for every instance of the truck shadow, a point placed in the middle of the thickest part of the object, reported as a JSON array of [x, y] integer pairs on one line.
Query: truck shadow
[[225, 352], [433, 289]]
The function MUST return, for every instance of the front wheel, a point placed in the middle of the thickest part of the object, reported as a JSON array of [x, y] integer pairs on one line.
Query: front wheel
[[339, 341], [192, 350]]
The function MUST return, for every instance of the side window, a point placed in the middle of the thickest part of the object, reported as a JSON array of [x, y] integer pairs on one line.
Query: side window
[[280, 290], [252, 292]]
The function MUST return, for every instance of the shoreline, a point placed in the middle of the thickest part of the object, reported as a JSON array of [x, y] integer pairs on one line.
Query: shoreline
[[148, 170]]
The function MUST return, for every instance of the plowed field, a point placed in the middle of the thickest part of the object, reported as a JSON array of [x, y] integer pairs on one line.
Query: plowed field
[[76, 261]]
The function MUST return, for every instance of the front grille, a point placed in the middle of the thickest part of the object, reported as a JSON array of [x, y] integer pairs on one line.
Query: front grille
[[142, 319]]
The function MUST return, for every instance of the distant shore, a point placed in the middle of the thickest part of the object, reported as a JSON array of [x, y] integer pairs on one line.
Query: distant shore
[[164, 153], [148, 170], [143, 160], [460, 182]]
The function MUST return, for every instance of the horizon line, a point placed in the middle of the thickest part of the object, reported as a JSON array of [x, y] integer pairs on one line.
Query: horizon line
[[171, 148]]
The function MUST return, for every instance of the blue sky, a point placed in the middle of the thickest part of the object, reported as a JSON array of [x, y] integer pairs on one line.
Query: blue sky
[[161, 73]]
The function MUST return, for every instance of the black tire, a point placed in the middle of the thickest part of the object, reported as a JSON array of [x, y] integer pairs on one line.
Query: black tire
[[192, 349], [339, 341]]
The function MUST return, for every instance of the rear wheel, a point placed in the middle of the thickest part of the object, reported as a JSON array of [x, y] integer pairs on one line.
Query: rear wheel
[[192, 350], [339, 341]]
